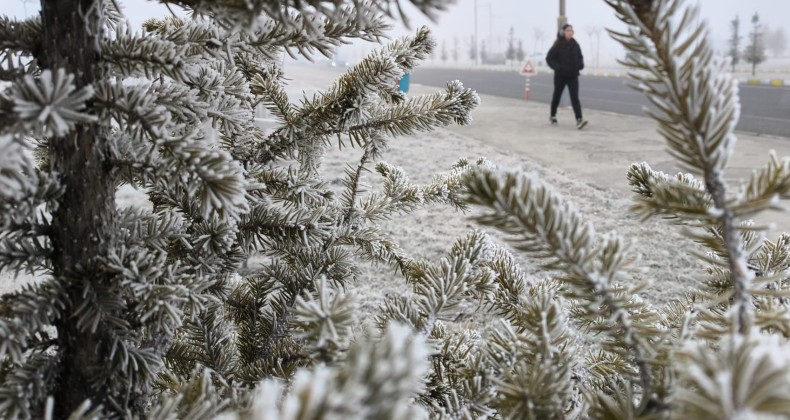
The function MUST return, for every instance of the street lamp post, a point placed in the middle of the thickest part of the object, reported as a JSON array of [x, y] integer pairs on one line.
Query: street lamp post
[[561, 19], [477, 44]]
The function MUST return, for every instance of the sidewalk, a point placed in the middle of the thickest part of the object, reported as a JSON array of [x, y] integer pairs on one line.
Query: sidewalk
[[604, 150], [600, 154], [768, 77]]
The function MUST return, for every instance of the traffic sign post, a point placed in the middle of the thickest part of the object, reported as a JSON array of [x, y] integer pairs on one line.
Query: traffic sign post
[[526, 90], [528, 71]]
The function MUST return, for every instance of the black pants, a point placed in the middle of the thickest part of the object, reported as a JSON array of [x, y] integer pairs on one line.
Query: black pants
[[573, 89]]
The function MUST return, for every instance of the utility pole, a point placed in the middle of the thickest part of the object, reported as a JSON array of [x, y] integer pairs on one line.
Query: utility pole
[[477, 44], [24, 6], [490, 25], [561, 19]]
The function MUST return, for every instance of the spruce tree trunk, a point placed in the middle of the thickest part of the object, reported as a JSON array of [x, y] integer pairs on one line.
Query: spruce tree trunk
[[82, 226]]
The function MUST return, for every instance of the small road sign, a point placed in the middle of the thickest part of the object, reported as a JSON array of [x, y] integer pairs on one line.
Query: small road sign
[[528, 70]]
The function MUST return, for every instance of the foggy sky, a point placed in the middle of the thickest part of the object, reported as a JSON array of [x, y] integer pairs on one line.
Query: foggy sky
[[495, 17]]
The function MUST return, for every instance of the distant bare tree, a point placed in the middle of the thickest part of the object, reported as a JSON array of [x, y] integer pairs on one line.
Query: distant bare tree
[[775, 41], [735, 42], [538, 33], [590, 31], [520, 54], [473, 49], [755, 51], [594, 33], [443, 54], [455, 49], [510, 53]]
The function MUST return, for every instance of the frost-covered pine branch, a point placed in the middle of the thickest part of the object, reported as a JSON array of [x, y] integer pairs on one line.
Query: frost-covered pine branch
[[224, 294], [146, 304], [542, 224], [699, 91]]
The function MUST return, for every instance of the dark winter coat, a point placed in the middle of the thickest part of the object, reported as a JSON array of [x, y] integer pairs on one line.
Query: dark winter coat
[[565, 58]]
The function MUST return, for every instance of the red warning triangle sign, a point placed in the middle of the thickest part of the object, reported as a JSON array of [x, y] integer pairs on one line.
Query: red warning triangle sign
[[528, 70]]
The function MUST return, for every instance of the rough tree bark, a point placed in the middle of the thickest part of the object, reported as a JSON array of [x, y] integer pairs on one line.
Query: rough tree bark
[[82, 226]]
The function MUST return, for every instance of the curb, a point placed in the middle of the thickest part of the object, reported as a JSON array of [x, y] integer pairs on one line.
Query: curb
[[544, 70], [767, 82], [753, 82]]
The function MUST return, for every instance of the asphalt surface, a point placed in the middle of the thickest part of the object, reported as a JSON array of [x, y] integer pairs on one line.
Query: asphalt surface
[[764, 109]]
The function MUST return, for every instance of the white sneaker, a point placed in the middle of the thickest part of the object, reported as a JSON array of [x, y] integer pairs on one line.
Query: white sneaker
[[580, 123], [553, 120]]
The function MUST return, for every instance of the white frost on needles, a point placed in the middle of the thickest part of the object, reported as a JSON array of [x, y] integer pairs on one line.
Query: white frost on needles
[[51, 104], [15, 162]]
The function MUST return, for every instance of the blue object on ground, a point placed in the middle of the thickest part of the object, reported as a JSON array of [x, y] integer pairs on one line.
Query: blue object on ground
[[403, 84]]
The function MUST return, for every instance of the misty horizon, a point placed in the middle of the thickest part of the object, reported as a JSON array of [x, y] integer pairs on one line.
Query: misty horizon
[[534, 23]]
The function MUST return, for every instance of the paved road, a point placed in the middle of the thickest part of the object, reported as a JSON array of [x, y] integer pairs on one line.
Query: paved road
[[764, 109]]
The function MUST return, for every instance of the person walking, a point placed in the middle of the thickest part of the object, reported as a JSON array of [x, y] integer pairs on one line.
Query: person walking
[[565, 58]]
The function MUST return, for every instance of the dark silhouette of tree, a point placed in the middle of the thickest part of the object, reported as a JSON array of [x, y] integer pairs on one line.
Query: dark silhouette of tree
[[775, 41], [538, 33], [735, 42], [755, 51], [594, 33], [510, 53], [520, 54]]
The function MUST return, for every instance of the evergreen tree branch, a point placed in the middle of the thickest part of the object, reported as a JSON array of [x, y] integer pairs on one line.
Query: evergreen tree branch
[[375, 246], [377, 380], [133, 56], [28, 252], [154, 231], [267, 86], [745, 367], [698, 109], [25, 388], [195, 396], [14, 72], [132, 291], [51, 104], [301, 227], [307, 33], [20, 37], [511, 284], [208, 341], [765, 187], [548, 228], [244, 13], [422, 113], [7, 119], [200, 36], [401, 196], [682, 199], [17, 169], [221, 180], [439, 288], [352, 186], [34, 307], [325, 319], [287, 184], [31, 210], [338, 109]]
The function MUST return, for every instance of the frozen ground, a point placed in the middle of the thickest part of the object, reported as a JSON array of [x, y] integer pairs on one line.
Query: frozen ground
[[585, 167]]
